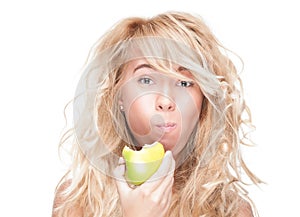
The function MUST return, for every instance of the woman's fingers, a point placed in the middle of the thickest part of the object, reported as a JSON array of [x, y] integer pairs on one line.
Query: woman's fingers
[[161, 181], [152, 198]]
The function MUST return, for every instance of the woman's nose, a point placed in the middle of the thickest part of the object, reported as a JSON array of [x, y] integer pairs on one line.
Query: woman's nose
[[164, 103]]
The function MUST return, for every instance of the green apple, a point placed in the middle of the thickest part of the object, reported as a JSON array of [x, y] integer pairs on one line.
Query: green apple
[[142, 164]]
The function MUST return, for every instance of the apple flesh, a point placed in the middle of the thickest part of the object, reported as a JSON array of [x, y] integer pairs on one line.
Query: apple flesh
[[142, 164]]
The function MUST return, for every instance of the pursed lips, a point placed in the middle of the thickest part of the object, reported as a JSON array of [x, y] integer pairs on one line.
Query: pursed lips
[[167, 127]]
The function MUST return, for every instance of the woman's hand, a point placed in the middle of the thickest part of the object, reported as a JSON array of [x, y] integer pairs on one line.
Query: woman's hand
[[153, 197]]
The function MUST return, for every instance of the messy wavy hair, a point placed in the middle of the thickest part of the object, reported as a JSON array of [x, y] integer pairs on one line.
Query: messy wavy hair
[[210, 179]]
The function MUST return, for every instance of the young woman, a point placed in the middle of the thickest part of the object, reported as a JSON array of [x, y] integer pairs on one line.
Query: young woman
[[165, 79]]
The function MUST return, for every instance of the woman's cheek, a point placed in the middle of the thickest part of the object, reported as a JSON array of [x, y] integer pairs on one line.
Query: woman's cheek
[[139, 120]]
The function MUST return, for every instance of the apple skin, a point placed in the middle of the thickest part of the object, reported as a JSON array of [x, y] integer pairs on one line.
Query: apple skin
[[142, 164]]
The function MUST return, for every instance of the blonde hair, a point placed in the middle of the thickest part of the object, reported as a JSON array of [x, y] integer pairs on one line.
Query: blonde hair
[[209, 181]]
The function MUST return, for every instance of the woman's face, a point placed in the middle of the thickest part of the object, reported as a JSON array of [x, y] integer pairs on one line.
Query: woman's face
[[159, 107]]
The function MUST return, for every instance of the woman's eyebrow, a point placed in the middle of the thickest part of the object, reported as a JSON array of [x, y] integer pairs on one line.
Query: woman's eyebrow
[[144, 65], [185, 71], [181, 68]]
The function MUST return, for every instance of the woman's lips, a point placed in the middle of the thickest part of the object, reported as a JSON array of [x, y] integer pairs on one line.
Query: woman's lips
[[167, 127]]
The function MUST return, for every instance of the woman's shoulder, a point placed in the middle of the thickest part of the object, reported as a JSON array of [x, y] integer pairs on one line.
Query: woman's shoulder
[[60, 201], [61, 187], [243, 205], [244, 209]]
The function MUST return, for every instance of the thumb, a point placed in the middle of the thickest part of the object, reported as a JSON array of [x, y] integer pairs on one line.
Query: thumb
[[118, 173]]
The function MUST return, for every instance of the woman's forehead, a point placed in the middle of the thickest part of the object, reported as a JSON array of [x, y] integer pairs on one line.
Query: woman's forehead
[[156, 64]]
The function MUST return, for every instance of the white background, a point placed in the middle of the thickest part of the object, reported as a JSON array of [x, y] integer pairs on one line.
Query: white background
[[43, 45]]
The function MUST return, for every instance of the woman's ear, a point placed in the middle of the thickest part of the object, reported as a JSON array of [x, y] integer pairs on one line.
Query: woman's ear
[[120, 102]]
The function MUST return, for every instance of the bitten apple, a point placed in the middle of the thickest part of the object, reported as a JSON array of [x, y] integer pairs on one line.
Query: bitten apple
[[142, 164]]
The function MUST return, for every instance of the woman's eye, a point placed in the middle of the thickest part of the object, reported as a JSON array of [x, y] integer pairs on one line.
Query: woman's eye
[[145, 80], [185, 83]]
